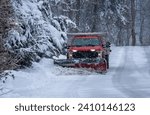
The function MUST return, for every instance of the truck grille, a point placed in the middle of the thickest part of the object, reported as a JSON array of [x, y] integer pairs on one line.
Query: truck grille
[[85, 54]]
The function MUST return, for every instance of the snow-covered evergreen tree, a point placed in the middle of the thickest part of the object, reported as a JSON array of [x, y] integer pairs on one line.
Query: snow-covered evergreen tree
[[36, 32]]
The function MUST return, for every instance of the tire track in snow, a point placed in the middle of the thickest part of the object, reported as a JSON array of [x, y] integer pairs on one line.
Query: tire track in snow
[[124, 78], [147, 53], [72, 91], [75, 85], [141, 62]]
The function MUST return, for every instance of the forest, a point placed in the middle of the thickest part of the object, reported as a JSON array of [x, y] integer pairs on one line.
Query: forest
[[33, 29], [126, 21]]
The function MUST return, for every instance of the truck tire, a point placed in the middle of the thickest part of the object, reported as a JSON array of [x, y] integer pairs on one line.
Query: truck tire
[[107, 60], [67, 56]]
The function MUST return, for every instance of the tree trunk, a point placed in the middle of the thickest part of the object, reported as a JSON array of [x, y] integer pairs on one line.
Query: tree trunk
[[95, 16], [141, 31], [142, 19], [6, 12], [133, 34], [78, 13]]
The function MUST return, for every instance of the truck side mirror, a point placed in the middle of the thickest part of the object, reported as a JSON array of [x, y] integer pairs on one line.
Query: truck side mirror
[[66, 46], [104, 46]]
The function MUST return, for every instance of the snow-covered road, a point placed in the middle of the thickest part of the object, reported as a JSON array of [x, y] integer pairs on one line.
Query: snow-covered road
[[128, 76], [132, 76]]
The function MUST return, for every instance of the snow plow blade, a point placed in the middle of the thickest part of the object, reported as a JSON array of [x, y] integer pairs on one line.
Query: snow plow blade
[[97, 64], [64, 62]]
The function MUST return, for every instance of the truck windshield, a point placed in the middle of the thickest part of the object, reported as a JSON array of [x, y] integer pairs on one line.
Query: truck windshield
[[86, 42]]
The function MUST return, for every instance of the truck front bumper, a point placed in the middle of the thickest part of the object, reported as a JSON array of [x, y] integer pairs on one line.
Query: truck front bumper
[[97, 64]]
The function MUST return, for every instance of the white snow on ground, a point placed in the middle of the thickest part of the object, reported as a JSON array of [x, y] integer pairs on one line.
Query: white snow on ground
[[128, 76]]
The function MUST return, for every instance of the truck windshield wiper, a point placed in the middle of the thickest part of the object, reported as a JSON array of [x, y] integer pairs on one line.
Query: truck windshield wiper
[[90, 45]]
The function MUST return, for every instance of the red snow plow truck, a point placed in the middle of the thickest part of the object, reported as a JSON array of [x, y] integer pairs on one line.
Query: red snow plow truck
[[87, 50]]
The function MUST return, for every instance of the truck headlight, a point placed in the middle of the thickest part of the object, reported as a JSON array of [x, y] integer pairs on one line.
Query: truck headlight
[[92, 50], [74, 50]]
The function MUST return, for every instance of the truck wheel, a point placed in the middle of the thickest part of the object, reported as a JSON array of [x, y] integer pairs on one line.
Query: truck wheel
[[107, 60], [67, 56], [105, 67]]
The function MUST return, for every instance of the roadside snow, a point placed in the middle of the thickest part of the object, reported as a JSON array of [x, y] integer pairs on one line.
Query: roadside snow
[[128, 76]]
